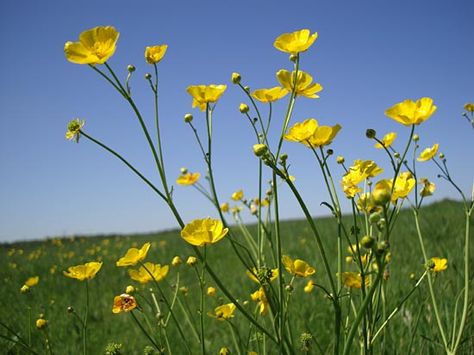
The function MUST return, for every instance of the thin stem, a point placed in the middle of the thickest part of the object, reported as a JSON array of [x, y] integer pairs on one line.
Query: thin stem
[[84, 323], [144, 331]]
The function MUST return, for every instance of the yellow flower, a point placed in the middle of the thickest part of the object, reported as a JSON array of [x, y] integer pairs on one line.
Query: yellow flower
[[129, 289], [134, 256], [226, 311], [360, 171], [204, 94], [83, 272], [297, 267], [270, 95], [24, 289], [403, 185], [143, 276], [191, 261], [204, 231], [95, 46], [469, 107], [155, 53], [32, 281], [211, 291], [438, 264], [188, 178], [295, 42], [309, 286], [428, 153], [176, 261], [237, 195], [41, 323], [260, 297], [124, 303], [74, 128], [411, 112], [304, 85], [428, 187], [353, 280], [311, 134], [263, 275], [224, 351], [387, 140], [225, 207], [366, 203]]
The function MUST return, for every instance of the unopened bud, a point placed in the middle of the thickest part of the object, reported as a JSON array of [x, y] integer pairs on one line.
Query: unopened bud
[[416, 138], [247, 88], [129, 289], [340, 159], [289, 288], [131, 68], [370, 133], [188, 118], [24, 289], [293, 57], [367, 241], [260, 149], [192, 260], [243, 108], [148, 76], [70, 309], [183, 170], [330, 152], [283, 157], [236, 78], [441, 155], [396, 155], [176, 261], [374, 217]]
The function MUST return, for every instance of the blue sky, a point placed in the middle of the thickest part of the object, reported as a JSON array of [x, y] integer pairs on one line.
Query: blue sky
[[369, 56]]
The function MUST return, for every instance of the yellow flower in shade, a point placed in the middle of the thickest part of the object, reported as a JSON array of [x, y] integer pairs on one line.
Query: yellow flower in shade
[[74, 128], [295, 42], [403, 185], [469, 107], [353, 280], [95, 46], [260, 297], [155, 53], [191, 261], [224, 351], [83, 272], [270, 95], [309, 286], [204, 231], [263, 275], [411, 112], [224, 312], [124, 303], [387, 140], [297, 267], [176, 261], [188, 178], [360, 171], [311, 134], [41, 323], [211, 291], [438, 264], [304, 83], [204, 94], [134, 256], [237, 195], [428, 187], [32, 281], [225, 207], [149, 272], [428, 153]]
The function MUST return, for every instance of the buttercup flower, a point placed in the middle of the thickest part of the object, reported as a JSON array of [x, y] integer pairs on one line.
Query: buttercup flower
[[469, 107], [295, 42], [32, 281], [428, 187], [304, 85], [404, 183], [260, 297], [124, 303], [191, 261], [95, 46], [309, 286], [224, 351], [211, 291], [41, 323], [311, 134], [73, 129], [263, 275], [188, 178], [438, 264], [204, 94], [204, 231], [226, 311], [225, 207], [143, 276], [387, 140], [297, 267], [353, 280], [83, 272], [24, 289], [155, 53], [134, 256], [176, 261], [428, 153], [411, 112], [360, 171], [237, 195], [270, 95]]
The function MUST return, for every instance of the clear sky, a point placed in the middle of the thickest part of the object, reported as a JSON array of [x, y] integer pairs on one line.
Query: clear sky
[[369, 56]]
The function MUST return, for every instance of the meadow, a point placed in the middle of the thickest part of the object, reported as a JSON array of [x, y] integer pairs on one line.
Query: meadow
[[412, 332]]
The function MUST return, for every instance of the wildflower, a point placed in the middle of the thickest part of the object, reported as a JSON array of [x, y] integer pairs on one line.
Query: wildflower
[[124, 303], [382, 192], [149, 272], [25, 289], [387, 140], [95, 46], [243, 108], [260, 297], [428, 153], [225, 207], [134, 256], [188, 179], [224, 312], [340, 159], [188, 118], [129, 289], [74, 129], [204, 231], [304, 85], [155, 53], [360, 171], [263, 275], [438, 264], [192, 260], [260, 149], [224, 351], [404, 183], [411, 112], [236, 78], [297, 267], [366, 203], [204, 94], [309, 286], [311, 134], [295, 42], [237, 195], [428, 187], [353, 280], [270, 95], [83, 272], [469, 107], [32, 281], [41, 323], [176, 261], [211, 291]]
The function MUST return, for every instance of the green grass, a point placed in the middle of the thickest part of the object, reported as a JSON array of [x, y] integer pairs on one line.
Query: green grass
[[442, 224]]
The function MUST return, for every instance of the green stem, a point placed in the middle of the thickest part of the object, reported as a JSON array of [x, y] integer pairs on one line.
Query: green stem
[[144, 331], [84, 323], [201, 311]]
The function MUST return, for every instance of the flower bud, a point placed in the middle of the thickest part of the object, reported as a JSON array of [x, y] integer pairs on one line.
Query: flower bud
[[236, 78], [224, 351], [176, 261], [70, 309], [330, 152], [367, 241], [293, 58], [370, 133], [416, 138], [211, 291], [349, 259], [148, 76], [247, 88], [260, 149], [24, 289], [441, 155], [340, 159], [41, 323], [188, 118], [131, 68], [243, 108], [382, 246], [184, 290], [129, 289], [192, 260], [289, 288], [396, 155], [374, 217], [283, 157]]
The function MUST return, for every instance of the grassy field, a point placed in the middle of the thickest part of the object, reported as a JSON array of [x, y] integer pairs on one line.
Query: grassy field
[[442, 224]]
